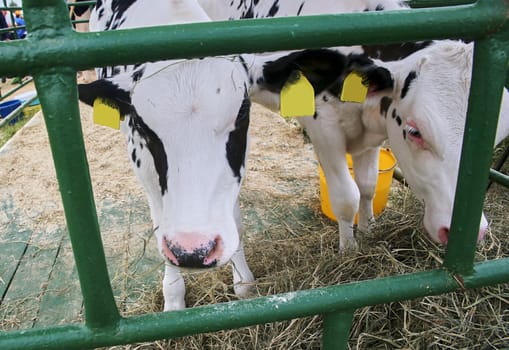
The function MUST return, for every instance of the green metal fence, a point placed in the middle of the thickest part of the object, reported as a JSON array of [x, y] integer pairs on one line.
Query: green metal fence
[[53, 53]]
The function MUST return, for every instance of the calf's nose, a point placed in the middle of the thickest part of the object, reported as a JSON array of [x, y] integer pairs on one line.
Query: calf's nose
[[193, 250], [443, 234]]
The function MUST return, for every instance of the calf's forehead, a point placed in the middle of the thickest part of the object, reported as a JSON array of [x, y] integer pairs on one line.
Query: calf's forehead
[[201, 94]]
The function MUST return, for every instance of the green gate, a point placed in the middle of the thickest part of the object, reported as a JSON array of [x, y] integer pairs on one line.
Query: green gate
[[54, 52]]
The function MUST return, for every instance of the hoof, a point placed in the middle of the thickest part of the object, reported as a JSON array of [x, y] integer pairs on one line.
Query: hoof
[[245, 290], [348, 245]]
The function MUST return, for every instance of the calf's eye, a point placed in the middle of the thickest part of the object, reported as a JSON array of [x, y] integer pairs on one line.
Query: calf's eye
[[413, 132]]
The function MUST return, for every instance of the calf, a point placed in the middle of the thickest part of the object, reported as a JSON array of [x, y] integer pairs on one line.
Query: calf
[[423, 116], [425, 132], [186, 123]]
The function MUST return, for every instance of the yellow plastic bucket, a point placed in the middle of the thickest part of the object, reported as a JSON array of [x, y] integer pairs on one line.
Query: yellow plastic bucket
[[386, 165]]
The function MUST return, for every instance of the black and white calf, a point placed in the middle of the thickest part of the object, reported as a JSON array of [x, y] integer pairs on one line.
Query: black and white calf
[[186, 122], [423, 116], [421, 111]]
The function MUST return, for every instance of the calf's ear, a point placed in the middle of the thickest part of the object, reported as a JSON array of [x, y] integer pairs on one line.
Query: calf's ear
[[106, 90], [376, 77], [321, 67]]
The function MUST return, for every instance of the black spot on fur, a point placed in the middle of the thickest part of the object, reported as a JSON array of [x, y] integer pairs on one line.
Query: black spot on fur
[[138, 163], [237, 140], [133, 155], [248, 12], [119, 7], [394, 113], [138, 74], [408, 80], [300, 8], [404, 134], [385, 103], [244, 64], [398, 120], [325, 98], [379, 7], [155, 147], [273, 9]]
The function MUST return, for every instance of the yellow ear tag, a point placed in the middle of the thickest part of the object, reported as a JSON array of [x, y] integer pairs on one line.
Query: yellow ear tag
[[297, 97], [353, 89], [106, 113]]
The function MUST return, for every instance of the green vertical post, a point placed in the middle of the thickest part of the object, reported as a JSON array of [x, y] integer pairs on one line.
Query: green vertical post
[[49, 20], [336, 329], [488, 79]]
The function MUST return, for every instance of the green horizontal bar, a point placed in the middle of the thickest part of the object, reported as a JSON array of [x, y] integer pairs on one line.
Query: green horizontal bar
[[499, 178], [219, 38], [257, 311]]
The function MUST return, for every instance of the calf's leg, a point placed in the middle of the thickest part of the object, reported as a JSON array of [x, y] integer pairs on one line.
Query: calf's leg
[[365, 167], [329, 143], [174, 289]]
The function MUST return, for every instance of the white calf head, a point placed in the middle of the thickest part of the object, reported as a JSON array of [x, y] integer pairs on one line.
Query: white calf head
[[186, 124], [425, 117]]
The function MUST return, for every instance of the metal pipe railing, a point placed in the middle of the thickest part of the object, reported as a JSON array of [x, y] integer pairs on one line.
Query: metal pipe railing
[[219, 38]]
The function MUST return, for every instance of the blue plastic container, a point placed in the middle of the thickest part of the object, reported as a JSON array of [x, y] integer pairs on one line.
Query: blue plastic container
[[7, 107]]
